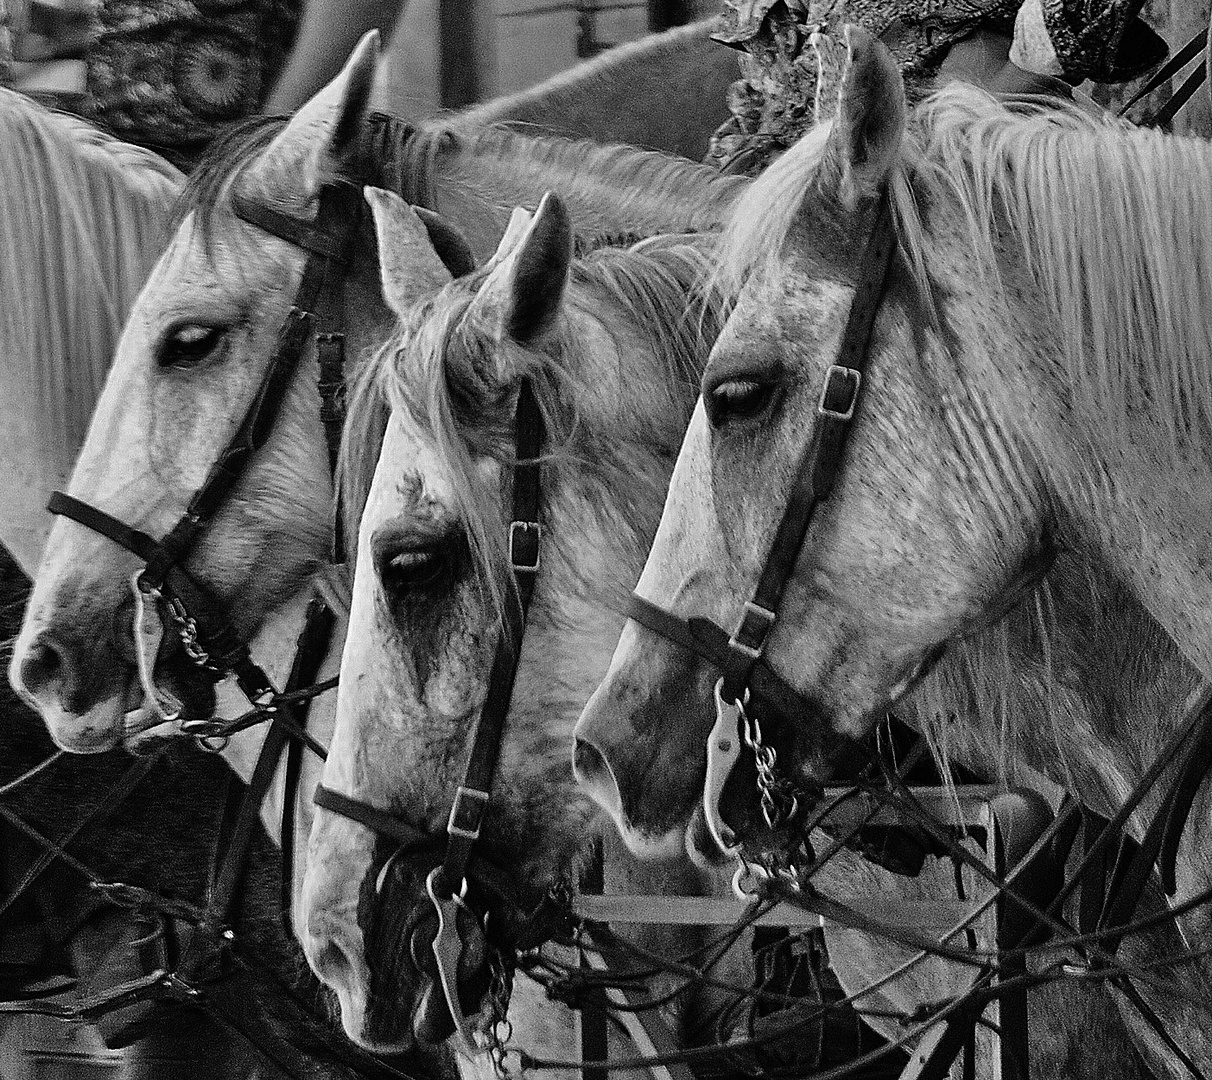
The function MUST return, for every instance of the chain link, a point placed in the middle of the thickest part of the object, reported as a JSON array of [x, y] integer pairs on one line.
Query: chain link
[[187, 631], [777, 795], [499, 1029]]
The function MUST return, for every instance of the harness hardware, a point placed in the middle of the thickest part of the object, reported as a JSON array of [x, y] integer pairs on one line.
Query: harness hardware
[[840, 394], [467, 813], [752, 629], [524, 540]]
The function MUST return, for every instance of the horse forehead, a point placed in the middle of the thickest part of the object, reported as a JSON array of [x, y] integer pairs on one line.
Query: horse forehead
[[412, 470], [193, 280]]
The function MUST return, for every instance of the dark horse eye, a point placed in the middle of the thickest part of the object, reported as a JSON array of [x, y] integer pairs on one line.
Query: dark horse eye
[[189, 344], [737, 399], [409, 570]]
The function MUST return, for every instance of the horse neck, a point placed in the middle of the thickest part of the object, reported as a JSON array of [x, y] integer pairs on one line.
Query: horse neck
[[1118, 378], [1143, 510], [82, 220], [664, 91], [611, 191]]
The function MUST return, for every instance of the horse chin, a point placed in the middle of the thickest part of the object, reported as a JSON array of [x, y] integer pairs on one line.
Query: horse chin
[[93, 732], [649, 845], [355, 1022]]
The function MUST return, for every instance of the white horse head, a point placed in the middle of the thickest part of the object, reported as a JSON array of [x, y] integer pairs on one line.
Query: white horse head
[[192, 357], [607, 355]]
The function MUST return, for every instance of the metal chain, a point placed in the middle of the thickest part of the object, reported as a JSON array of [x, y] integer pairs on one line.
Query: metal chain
[[779, 801], [499, 1028]]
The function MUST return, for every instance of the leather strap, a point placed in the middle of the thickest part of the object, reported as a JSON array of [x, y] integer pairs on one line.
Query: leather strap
[[1167, 71], [471, 798], [818, 467], [739, 654], [378, 821], [312, 236], [472, 795]]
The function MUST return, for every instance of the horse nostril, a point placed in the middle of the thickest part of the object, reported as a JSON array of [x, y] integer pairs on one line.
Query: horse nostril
[[330, 959], [594, 774], [42, 667]]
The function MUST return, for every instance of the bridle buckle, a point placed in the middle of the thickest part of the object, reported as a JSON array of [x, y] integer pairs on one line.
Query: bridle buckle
[[749, 637], [839, 395], [524, 539], [467, 813]]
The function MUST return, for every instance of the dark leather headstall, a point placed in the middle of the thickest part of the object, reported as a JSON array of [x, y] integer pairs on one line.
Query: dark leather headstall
[[447, 882], [748, 677], [318, 307], [1114, 870]]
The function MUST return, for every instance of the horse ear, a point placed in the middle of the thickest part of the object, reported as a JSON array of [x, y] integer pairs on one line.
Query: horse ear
[[519, 222], [870, 119], [450, 244], [534, 274], [325, 130], [409, 267]]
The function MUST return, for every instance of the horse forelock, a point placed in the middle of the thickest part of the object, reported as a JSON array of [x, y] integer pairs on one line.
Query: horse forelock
[[82, 218], [226, 157]]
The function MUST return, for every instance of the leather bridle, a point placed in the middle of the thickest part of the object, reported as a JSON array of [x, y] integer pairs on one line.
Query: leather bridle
[[1115, 869], [447, 881], [748, 678]]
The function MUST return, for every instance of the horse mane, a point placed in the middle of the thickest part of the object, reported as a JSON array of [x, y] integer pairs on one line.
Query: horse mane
[[405, 160], [592, 173], [1108, 217], [441, 364], [83, 217]]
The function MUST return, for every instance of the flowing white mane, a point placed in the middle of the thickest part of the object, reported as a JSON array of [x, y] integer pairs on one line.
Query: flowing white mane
[[1115, 222], [1116, 225], [82, 218]]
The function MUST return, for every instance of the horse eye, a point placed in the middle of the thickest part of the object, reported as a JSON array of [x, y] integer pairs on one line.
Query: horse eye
[[738, 399], [189, 344]]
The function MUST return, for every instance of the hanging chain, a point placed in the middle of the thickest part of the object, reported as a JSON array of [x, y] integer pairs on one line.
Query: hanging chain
[[499, 1029], [778, 797]]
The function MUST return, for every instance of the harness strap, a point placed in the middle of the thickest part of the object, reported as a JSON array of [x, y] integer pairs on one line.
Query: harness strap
[[710, 642], [311, 236], [57, 849], [525, 533], [228, 652], [311, 650], [1167, 71], [378, 821]]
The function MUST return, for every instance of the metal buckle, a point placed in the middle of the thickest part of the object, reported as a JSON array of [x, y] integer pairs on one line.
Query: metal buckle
[[840, 379], [467, 813], [755, 611], [530, 555]]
